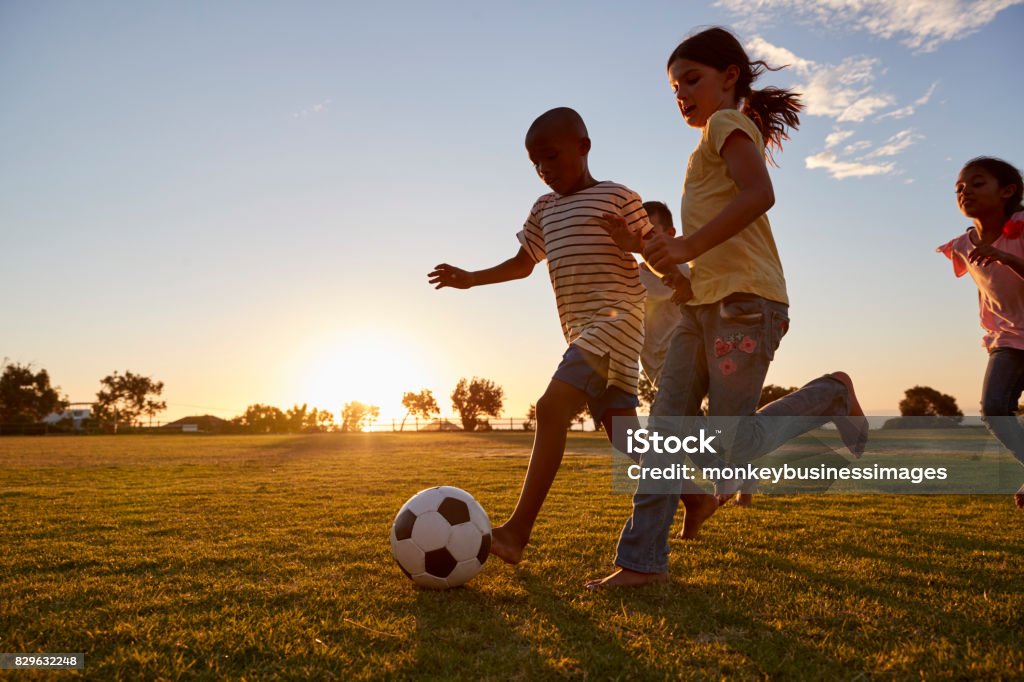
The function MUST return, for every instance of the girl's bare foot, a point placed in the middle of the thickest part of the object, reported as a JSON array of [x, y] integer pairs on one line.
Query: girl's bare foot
[[699, 509], [626, 578], [853, 428], [506, 545]]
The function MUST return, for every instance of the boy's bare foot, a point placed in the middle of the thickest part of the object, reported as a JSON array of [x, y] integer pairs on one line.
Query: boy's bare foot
[[853, 428], [626, 578], [699, 509], [506, 546]]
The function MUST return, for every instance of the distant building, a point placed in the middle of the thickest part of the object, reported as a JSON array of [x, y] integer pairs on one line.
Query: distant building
[[206, 423], [76, 413], [440, 425]]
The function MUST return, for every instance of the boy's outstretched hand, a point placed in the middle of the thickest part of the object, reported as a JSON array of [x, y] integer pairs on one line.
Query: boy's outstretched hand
[[445, 275], [664, 253], [626, 239]]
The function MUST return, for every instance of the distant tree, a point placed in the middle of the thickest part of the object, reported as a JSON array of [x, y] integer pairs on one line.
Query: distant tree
[[125, 399], [318, 421], [27, 397], [475, 398], [770, 393], [531, 419], [262, 419], [925, 401], [356, 416], [297, 418], [420, 404]]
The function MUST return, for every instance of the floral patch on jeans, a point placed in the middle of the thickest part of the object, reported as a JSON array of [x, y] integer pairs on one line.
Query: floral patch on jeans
[[746, 344]]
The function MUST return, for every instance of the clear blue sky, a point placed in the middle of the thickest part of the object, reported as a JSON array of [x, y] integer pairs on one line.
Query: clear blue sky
[[243, 199]]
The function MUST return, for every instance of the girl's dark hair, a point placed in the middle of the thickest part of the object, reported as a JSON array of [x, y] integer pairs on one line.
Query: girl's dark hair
[[773, 110], [1005, 174]]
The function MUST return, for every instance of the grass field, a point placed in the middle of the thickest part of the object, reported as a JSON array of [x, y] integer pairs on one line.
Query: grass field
[[260, 557]]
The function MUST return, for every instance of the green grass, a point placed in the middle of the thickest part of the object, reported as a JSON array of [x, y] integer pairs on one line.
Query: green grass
[[261, 557]]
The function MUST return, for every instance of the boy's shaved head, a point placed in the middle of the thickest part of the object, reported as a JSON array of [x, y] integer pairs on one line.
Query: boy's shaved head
[[561, 122]]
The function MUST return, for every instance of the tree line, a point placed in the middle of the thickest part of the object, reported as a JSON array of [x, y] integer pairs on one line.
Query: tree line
[[126, 400]]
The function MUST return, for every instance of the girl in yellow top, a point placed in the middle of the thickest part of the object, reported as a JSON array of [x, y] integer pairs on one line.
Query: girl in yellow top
[[738, 314]]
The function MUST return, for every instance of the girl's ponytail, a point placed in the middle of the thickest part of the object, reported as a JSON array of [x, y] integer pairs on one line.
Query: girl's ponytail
[[773, 110]]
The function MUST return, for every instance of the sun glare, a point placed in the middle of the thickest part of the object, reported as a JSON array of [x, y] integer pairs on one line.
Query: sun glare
[[376, 371]]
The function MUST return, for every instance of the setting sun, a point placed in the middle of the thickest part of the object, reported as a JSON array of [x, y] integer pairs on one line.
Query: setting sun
[[375, 369]]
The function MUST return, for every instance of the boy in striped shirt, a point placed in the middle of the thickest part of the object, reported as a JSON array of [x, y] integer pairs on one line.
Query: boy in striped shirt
[[599, 296]]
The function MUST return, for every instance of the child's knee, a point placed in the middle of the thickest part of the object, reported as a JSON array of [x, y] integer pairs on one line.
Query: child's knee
[[555, 408]]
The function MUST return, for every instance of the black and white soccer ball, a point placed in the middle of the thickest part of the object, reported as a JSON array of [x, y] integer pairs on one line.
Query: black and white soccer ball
[[441, 537]]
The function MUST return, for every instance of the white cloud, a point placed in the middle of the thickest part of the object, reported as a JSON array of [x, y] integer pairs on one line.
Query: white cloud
[[909, 110], [778, 56], [844, 92], [312, 110], [837, 136], [840, 169], [859, 146], [897, 144], [921, 25]]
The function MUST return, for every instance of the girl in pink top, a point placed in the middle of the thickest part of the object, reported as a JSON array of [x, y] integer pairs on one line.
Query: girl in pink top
[[989, 192]]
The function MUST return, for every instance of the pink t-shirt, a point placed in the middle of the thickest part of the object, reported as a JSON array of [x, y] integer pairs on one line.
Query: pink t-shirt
[[1000, 289]]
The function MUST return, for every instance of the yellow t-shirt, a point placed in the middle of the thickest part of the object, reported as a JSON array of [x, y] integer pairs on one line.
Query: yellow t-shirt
[[748, 262]]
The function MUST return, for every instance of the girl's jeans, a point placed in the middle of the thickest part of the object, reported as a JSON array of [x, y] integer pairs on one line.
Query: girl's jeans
[[722, 351], [1002, 388]]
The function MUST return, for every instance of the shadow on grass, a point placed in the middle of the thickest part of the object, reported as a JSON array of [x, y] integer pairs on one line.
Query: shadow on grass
[[685, 624]]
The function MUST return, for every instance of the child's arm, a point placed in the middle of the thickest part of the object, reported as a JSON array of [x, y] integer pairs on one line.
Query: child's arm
[[986, 254], [630, 241], [517, 267], [747, 169]]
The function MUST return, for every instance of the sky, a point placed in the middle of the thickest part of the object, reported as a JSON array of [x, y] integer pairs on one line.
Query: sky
[[243, 200]]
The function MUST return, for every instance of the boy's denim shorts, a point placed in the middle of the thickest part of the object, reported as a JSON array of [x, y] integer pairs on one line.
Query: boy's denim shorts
[[589, 373]]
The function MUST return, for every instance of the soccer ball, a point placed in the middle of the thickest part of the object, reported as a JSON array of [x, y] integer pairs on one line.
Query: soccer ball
[[441, 537]]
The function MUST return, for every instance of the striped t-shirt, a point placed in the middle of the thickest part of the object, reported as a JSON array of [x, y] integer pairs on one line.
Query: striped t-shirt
[[597, 286]]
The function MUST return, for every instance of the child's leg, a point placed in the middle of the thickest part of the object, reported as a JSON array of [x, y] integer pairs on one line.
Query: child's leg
[[828, 398], [627, 419], [739, 343], [1000, 393], [555, 410], [642, 553]]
